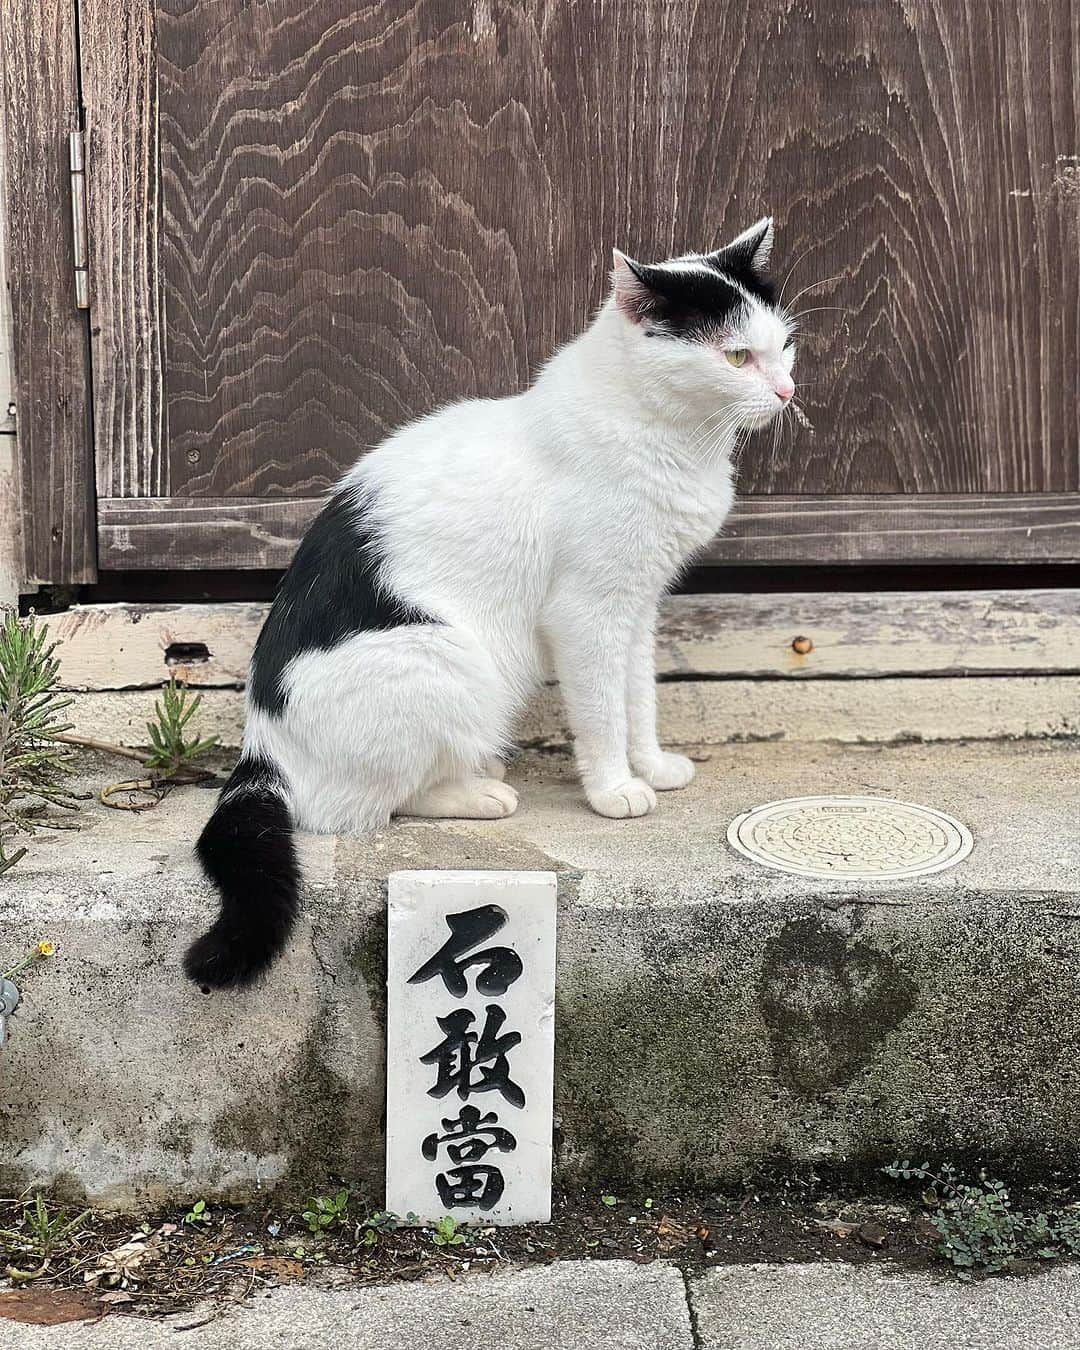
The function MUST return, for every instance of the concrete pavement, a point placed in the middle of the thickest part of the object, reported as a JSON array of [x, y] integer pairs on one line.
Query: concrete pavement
[[616, 1305]]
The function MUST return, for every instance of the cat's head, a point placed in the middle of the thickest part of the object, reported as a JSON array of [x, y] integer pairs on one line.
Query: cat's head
[[706, 327]]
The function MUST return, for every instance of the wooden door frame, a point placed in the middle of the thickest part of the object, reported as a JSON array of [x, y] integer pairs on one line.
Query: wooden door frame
[[39, 103]]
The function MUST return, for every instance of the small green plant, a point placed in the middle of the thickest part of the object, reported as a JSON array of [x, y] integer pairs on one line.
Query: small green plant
[[198, 1213], [41, 1233], [34, 763], [375, 1225], [172, 753], [447, 1232], [326, 1211], [610, 1200], [978, 1229]]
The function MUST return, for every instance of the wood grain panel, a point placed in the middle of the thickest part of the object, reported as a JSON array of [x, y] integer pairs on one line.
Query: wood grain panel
[[369, 212], [225, 532], [854, 636], [40, 107], [921, 156], [119, 84]]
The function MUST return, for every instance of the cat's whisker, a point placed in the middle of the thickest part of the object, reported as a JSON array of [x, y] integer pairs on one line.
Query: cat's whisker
[[823, 309], [791, 271], [814, 285]]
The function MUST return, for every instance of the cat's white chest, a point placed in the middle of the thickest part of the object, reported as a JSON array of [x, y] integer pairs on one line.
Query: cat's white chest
[[696, 512]]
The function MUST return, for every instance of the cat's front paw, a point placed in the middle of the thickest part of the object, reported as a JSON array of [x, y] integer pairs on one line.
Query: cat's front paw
[[632, 798], [664, 771]]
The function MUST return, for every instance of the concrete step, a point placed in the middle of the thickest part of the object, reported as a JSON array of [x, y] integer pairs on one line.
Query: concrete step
[[580, 1305], [713, 1018]]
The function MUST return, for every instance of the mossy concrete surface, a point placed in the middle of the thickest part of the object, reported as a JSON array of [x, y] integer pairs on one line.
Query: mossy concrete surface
[[714, 1020]]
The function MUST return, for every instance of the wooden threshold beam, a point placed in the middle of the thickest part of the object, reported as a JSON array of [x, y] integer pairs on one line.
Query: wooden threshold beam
[[250, 532], [701, 637]]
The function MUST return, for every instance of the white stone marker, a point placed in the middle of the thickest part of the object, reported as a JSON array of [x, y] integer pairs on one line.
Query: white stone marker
[[470, 1045]]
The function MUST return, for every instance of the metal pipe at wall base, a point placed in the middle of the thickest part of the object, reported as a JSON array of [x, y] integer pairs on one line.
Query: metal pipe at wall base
[[11, 569]]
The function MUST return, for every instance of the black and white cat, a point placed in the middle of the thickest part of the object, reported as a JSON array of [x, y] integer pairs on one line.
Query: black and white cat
[[471, 546]]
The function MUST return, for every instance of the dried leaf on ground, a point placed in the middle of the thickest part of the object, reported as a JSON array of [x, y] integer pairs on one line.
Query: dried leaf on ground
[[841, 1228], [47, 1307], [673, 1231], [126, 1265], [283, 1267], [873, 1235]]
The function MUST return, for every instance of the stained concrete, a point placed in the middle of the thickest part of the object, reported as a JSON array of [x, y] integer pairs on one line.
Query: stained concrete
[[713, 1019]]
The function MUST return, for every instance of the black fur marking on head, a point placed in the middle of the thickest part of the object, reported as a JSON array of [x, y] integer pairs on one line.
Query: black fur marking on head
[[739, 269], [330, 592], [689, 302], [737, 261]]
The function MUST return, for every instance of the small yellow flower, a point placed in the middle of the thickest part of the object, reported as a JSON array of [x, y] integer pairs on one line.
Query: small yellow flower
[[45, 948]]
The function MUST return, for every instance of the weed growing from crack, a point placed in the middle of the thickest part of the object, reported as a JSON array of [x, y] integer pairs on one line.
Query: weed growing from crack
[[978, 1229], [34, 764]]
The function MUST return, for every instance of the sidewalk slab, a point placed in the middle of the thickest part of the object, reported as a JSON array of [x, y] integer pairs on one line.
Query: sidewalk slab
[[839, 1307], [572, 1305]]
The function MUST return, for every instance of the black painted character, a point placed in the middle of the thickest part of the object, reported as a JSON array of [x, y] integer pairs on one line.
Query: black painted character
[[469, 1137], [480, 1186], [474, 1061], [502, 965]]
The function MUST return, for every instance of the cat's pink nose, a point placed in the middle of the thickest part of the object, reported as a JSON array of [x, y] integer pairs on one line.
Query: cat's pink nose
[[784, 388]]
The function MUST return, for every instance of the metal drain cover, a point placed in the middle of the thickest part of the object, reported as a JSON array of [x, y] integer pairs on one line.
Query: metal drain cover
[[850, 838]]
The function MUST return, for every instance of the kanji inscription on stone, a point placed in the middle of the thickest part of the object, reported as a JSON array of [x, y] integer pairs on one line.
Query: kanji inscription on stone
[[470, 1045]]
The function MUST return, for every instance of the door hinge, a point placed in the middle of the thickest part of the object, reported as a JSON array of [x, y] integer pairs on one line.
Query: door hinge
[[78, 219]]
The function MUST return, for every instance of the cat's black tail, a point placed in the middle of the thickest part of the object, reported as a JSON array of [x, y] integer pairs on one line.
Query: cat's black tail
[[247, 851]]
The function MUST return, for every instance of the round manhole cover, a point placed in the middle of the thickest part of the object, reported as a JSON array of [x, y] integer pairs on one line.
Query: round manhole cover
[[850, 838]]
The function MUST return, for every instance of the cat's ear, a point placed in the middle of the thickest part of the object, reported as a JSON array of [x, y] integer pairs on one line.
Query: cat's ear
[[748, 252], [630, 279]]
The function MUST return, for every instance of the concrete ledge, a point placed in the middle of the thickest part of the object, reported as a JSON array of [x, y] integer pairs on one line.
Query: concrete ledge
[[713, 1019], [723, 711]]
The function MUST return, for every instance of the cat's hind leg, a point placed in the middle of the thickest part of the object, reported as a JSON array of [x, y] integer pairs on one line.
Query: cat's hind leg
[[395, 722], [471, 798]]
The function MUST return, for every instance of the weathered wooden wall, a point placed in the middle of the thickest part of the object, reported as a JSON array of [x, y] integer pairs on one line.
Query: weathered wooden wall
[[120, 78], [368, 210], [11, 562], [39, 97]]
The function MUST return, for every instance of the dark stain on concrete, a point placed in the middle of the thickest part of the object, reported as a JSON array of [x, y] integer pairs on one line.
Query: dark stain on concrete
[[323, 1122], [828, 1001]]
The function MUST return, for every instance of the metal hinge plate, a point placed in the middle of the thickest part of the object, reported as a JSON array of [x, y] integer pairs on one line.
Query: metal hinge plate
[[78, 219]]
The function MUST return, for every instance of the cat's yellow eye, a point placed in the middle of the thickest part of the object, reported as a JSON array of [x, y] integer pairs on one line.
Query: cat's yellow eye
[[737, 357]]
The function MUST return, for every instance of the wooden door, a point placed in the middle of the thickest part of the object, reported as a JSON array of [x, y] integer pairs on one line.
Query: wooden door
[[313, 220]]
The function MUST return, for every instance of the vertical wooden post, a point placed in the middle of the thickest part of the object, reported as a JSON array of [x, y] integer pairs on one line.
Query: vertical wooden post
[[11, 565]]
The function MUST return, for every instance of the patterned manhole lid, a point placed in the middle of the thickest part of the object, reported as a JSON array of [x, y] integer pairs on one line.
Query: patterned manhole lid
[[850, 838]]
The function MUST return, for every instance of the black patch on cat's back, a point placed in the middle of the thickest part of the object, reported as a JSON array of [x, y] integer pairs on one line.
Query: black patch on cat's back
[[330, 592]]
